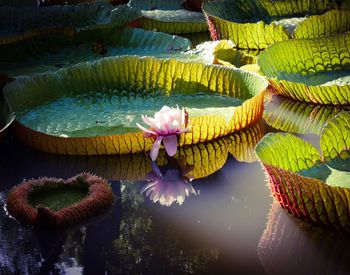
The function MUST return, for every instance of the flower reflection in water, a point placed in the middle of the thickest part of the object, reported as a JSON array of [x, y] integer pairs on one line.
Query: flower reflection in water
[[169, 184]]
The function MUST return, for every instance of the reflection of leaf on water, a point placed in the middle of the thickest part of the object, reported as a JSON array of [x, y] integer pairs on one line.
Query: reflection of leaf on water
[[297, 117], [309, 186], [168, 184], [290, 246]]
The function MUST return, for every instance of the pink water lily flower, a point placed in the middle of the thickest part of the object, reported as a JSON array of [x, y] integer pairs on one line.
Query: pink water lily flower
[[164, 126]]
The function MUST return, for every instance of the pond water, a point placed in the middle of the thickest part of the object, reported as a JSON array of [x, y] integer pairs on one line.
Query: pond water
[[218, 224]]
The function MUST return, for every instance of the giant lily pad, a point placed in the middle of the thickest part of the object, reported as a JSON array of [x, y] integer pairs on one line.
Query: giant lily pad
[[92, 108], [256, 24], [310, 70], [222, 52], [57, 203], [19, 23], [54, 50], [298, 117], [309, 186], [169, 17]]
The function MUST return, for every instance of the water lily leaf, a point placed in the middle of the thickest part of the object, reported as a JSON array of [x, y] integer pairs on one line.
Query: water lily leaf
[[331, 23], [19, 23], [111, 84], [257, 24], [169, 17], [310, 70], [156, 4], [298, 117], [302, 183], [335, 142], [54, 50], [174, 21], [222, 52]]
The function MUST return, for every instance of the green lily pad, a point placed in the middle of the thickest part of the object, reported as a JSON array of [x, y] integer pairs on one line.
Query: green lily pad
[[256, 24], [298, 117], [17, 23], [61, 198], [103, 100], [169, 17], [156, 4], [311, 187], [53, 51], [311, 70]]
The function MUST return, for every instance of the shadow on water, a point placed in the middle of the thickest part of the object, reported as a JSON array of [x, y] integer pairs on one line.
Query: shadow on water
[[203, 211]]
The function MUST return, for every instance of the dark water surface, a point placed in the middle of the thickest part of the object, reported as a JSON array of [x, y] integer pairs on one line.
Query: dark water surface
[[225, 228]]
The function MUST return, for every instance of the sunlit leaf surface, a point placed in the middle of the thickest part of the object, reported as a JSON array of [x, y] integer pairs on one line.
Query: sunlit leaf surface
[[117, 79], [257, 24], [306, 186], [310, 70]]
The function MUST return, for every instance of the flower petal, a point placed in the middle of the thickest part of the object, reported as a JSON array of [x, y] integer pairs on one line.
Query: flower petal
[[155, 148], [145, 129], [170, 144]]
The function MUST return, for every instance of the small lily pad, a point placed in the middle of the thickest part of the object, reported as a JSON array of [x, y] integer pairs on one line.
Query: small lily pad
[[57, 203]]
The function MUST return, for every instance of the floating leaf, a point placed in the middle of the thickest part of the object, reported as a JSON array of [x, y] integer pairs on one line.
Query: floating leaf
[[19, 23], [258, 24], [305, 185], [311, 70], [174, 21], [55, 203], [335, 141], [116, 81], [156, 4], [222, 52], [54, 50], [330, 23], [169, 17], [298, 117]]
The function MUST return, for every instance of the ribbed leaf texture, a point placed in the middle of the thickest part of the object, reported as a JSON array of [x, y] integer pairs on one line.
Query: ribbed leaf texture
[[310, 70], [291, 162], [256, 24], [54, 50], [130, 73]]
